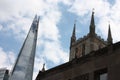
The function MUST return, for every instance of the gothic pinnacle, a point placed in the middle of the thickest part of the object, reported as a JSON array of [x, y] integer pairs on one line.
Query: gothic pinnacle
[[92, 24], [109, 39]]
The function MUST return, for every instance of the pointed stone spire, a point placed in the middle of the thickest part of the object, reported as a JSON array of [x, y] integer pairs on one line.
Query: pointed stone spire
[[23, 68], [109, 39], [92, 25], [73, 34], [43, 69], [73, 37]]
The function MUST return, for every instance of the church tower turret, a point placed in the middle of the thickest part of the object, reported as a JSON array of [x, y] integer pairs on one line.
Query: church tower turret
[[73, 37], [73, 40], [85, 45], [92, 25], [43, 69], [109, 39]]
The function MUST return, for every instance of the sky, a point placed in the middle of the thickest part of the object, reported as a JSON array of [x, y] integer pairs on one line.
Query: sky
[[57, 18]]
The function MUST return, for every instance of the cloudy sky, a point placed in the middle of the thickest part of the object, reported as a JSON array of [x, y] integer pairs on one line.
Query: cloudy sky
[[55, 27]]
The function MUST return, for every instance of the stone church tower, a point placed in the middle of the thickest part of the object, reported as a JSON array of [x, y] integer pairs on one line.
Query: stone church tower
[[90, 42], [91, 58]]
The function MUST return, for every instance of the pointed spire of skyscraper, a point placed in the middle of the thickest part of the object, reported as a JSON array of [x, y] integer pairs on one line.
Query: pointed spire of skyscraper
[[92, 25], [109, 39], [73, 37], [23, 68]]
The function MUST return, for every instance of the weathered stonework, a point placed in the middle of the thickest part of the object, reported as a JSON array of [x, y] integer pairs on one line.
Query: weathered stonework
[[85, 45], [88, 66], [91, 58]]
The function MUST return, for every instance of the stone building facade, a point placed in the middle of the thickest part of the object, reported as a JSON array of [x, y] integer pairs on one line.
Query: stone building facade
[[91, 58], [88, 43]]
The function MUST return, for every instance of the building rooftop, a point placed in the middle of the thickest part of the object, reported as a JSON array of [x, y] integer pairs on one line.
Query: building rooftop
[[103, 51]]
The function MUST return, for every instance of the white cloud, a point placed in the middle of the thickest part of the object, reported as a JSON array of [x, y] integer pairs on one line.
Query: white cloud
[[54, 52], [47, 26], [82, 7], [37, 66], [7, 59], [17, 17], [104, 12], [1, 26]]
